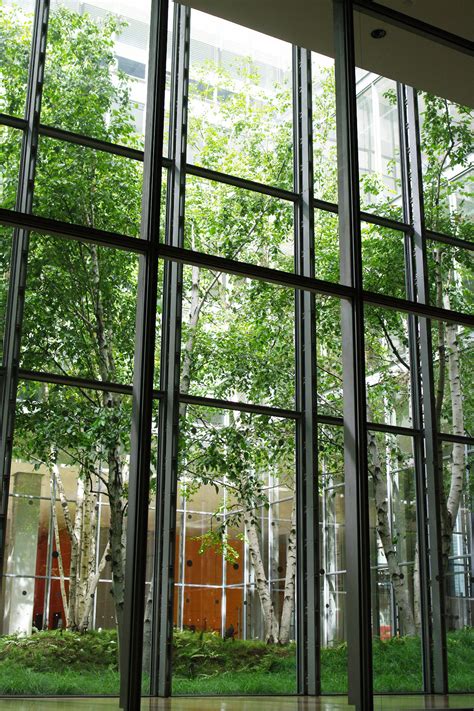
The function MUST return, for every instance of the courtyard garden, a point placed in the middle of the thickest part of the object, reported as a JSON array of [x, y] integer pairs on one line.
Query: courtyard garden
[[68, 663]]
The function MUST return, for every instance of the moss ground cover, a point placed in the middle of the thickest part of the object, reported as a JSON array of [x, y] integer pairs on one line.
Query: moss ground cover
[[71, 664]]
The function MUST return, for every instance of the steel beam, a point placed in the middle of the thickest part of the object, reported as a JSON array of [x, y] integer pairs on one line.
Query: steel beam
[[19, 256], [68, 230], [307, 586], [167, 475], [448, 239], [359, 631], [114, 240], [243, 183], [239, 406], [416, 405], [131, 643], [438, 657]]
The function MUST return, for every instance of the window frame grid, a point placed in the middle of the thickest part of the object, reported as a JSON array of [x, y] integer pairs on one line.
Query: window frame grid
[[416, 305]]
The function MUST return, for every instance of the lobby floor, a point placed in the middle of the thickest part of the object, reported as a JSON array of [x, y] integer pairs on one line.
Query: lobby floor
[[242, 703]]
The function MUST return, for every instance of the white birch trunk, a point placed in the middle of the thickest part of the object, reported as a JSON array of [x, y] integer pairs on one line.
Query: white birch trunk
[[147, 630], [92, 583], [289, 593], [271, 627], [75, 556], [85, 551], [416, 590], [457, 464], [398, 579]]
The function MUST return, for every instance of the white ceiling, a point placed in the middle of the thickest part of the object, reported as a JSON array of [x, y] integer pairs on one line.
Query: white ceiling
[[400, 55]]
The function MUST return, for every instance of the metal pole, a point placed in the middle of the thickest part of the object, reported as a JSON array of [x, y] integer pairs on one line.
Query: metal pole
[[359, 631], [417, 408], [14, 315], [432, 463], [170, 368], [131, 642], [308, 625]]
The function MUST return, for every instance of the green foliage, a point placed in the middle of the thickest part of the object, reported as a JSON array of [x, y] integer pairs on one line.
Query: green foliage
[[45, 651], [70, 663], [447, 143]]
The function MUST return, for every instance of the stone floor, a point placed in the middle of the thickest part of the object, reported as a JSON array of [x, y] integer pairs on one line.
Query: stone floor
[[242, 703]]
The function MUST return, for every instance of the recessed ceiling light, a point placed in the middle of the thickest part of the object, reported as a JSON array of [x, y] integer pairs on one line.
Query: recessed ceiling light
[[378, 33]]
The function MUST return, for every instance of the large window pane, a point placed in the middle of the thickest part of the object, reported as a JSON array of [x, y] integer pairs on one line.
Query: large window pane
[[240, 102], [383, 260], [324, 128], [230, 327], [239, 224], [457, 522], [379, 151], [450, 276], [387, 367], [326, 245], [10, 149], [329, 356], [453, 361], [236, 554], [67, 529], [16, 21], [80, 310], [87, 187], [96, 66], [447, 142], [5, 256], [396, 614], [332, 546]]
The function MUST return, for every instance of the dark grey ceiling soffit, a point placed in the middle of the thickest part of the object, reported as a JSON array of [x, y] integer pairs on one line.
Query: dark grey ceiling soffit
[[401, 55]]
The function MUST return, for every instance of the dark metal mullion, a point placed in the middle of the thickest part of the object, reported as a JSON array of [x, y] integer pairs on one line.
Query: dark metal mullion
[[426, 310], [19, 256], [432, 465], [446, 437], [68, 230], [239, 406], [253, 271], [165, 525], [297, 281], [358, 596], [330, 420], [416, 405], [80, 383], [13, 122], [244, 183], [385, 222], [325, 205], [74, 381], [79, 139], [131, 643], [308, 598], [448, 239], [115, 240], [392, 429]]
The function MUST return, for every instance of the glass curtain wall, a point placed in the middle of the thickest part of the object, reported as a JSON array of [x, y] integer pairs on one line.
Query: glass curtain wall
[[197, 414]]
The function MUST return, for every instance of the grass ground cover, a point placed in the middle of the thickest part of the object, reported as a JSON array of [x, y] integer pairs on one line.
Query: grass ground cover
[[66, 663]]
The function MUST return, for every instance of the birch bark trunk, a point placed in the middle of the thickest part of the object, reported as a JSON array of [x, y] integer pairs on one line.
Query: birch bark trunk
[[92, 583], [271, 627], [289, 593], [398, 579]]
